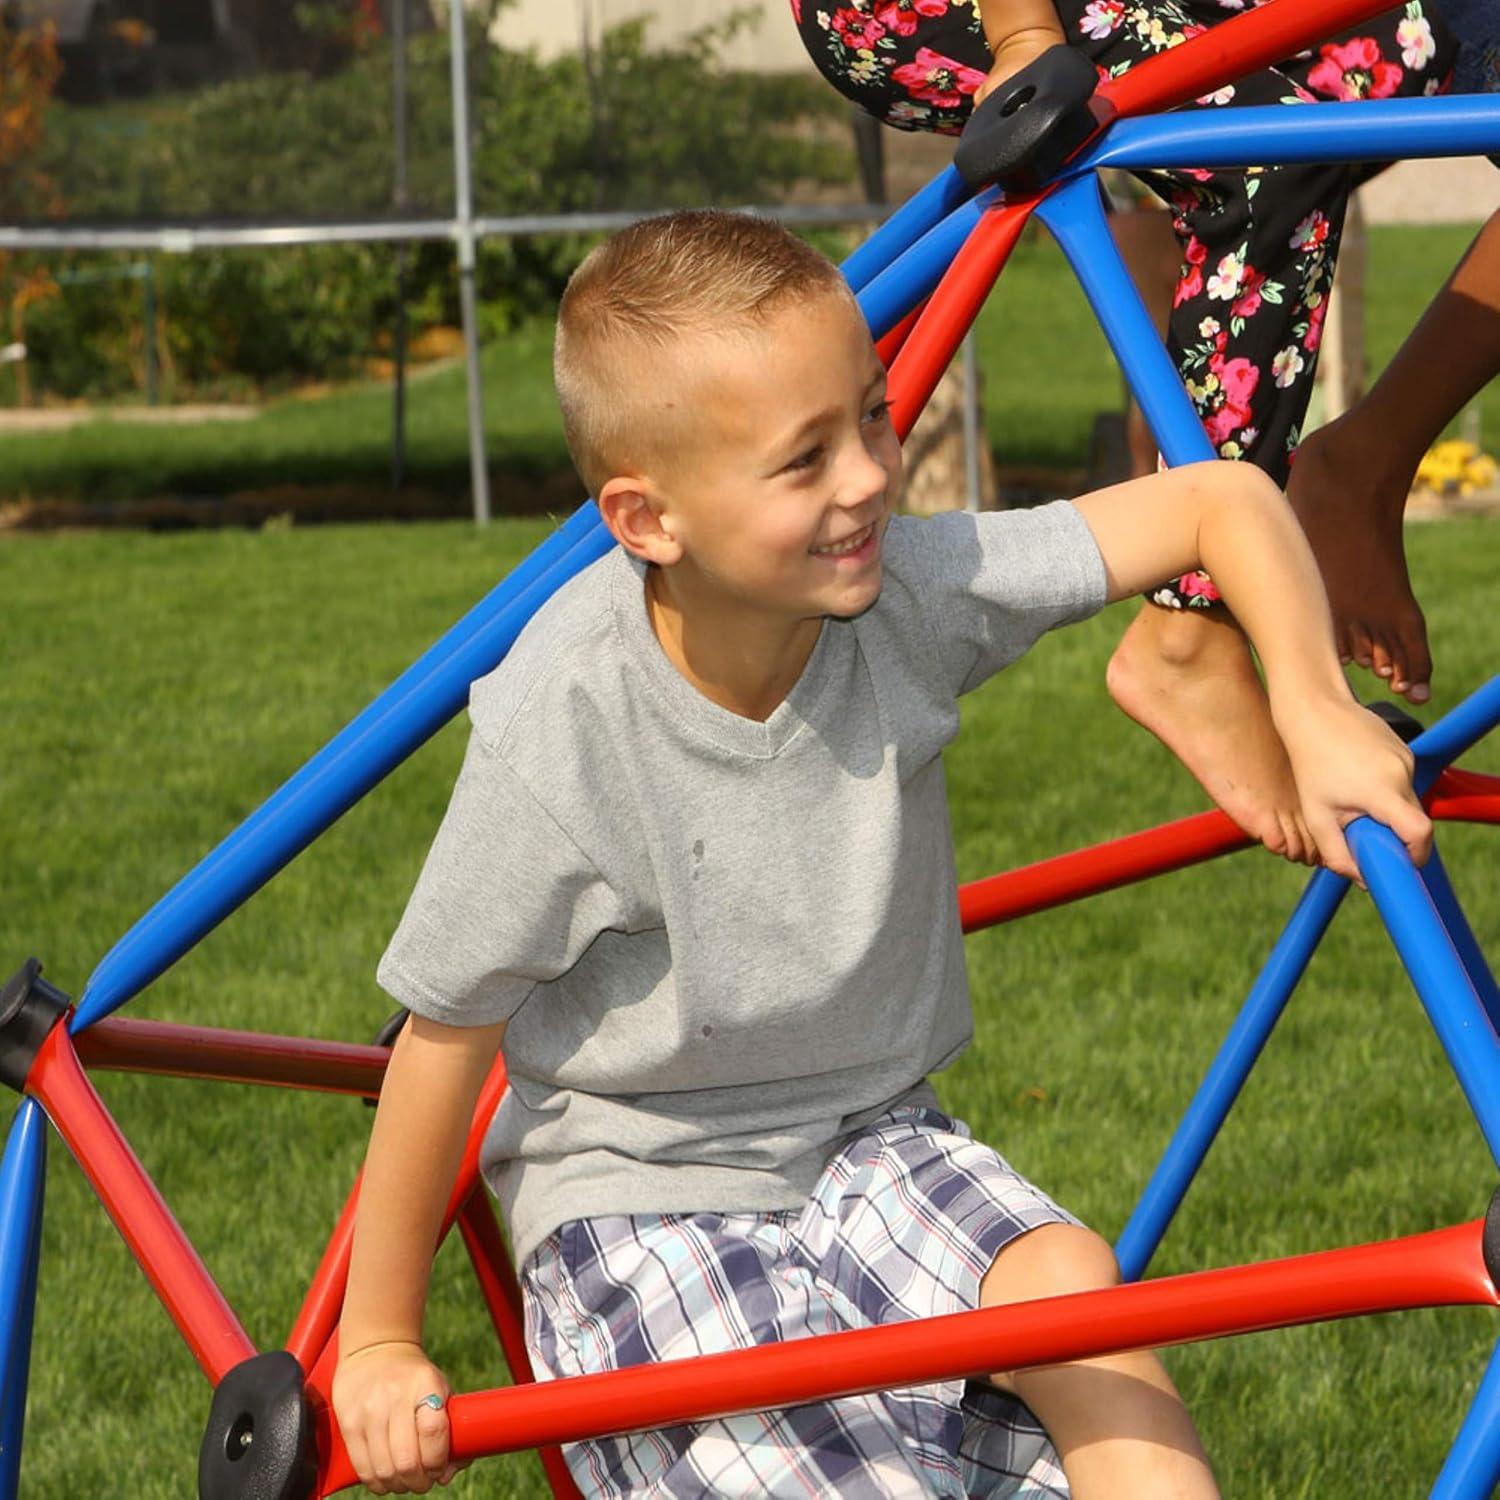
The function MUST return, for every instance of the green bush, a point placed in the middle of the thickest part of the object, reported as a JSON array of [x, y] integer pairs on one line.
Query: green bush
[[676, 127]]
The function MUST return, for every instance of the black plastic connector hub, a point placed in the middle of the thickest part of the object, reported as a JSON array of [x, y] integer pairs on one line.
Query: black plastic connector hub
[[390, 1029], [1029, 126], [1406, 728], [1491, 1238], [260, 1442], [29, 1009]]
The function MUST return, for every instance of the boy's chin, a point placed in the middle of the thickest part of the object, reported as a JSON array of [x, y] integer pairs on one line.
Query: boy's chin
[[855, 611]]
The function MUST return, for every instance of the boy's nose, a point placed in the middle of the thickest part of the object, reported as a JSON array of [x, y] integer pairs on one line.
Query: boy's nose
[[866, 480]]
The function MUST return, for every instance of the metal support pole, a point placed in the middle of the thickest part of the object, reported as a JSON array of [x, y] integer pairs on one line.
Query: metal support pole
[[1075, 216], [412, 708], [400, 203], [464, 233], [973, 499], [1472, 1469], [1226, 1076], [1440, 888], [148, 317], [1436, 970], [22, 1180], [869, 152]]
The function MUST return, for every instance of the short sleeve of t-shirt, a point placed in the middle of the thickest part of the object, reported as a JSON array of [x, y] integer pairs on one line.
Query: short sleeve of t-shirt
[[505, 901], [990, 585]]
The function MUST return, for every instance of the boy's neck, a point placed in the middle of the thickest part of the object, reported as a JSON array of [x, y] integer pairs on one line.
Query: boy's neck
[[745, 661]]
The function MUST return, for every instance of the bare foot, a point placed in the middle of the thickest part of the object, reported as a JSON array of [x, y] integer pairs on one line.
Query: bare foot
[[1188, 677], [1351, 510]]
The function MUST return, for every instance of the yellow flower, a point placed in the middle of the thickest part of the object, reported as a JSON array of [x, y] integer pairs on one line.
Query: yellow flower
[[1455, 465]]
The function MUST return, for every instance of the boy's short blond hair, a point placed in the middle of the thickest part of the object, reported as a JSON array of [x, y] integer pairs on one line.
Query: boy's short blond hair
[[633, 298]]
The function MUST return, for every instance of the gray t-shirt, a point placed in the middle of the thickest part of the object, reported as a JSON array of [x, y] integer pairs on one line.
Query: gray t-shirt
[[721, 944]]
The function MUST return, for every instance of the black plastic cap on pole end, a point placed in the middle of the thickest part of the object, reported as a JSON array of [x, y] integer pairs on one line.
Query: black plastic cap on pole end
[[386, 1037], [1031, 124], [259, 1443], [1491, 1239], [29, 1009], [1405, 727]]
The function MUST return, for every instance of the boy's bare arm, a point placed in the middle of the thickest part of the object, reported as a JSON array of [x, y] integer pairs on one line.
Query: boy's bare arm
[[1231, 519], [426, 1106]]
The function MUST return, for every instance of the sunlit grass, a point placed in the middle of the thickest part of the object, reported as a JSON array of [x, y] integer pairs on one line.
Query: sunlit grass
[[157, 688]]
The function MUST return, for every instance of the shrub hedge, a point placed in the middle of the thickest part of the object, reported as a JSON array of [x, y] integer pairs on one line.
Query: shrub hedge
[[676, 126]]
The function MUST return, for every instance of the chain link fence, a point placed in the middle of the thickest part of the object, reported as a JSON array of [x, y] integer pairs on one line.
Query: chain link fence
[[311, 184]]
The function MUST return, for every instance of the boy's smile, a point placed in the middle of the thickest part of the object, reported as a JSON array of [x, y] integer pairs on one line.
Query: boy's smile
[[854, 548]]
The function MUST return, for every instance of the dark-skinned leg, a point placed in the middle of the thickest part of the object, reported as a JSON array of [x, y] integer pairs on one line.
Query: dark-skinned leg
[[1350, 479]]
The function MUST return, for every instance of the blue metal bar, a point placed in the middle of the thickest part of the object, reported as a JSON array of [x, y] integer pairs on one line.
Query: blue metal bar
[[1366, 130], [145, 932], [1075, 216], [1227, 1074], [1435, 968], [921, 212], [913, 276], [1472, 1469], [22, 1179], [408, 712], [13, 1403], [1435, 877], [1221, 1086], [1458, 730]]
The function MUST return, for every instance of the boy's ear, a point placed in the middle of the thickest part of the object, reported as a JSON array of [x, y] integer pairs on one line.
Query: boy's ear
[[634, 513]]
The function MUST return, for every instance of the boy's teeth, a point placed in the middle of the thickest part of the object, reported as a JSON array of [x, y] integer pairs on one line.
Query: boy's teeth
[[851, 545]]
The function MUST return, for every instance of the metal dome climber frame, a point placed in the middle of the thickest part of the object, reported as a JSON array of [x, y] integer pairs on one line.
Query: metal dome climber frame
[[920, 281]]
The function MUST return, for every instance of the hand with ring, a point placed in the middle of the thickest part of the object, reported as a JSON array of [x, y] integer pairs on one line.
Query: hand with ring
[[391, 1404]]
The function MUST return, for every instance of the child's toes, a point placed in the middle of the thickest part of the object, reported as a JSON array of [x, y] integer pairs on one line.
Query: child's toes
[[1380, 658], [1360, 645]]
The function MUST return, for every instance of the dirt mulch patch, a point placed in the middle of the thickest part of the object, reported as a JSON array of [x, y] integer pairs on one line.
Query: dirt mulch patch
[[295, 505]]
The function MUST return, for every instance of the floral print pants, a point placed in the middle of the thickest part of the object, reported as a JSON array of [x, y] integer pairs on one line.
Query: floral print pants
[[1258, 245]]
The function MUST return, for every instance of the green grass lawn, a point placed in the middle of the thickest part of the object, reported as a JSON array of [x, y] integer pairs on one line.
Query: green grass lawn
[[158, 688], [1047, 372]]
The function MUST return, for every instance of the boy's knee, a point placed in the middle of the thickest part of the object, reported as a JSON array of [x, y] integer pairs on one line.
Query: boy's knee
[[1050, 1261]]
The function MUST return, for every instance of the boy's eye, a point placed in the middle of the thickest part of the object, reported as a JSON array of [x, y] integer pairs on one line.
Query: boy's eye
[[879, 412], [808, 459]]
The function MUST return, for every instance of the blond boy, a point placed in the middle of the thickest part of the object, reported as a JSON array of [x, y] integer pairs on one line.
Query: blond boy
[[697, 882]]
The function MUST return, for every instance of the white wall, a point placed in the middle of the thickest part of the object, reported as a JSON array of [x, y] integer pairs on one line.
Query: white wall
[[555, 26]]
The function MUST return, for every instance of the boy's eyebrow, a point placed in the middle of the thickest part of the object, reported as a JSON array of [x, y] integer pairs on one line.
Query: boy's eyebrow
[[829, 414], [806, 428]]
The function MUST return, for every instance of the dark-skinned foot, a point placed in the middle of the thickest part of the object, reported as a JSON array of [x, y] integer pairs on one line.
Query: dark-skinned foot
[[1351, 508]]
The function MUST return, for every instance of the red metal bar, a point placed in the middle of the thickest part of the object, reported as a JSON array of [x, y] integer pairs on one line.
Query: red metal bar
[[124, 1045], [1230, 50], [317, 1325], [929, 348], [1086, 872], [1443, 1268], [318, 1386], [1466, 797], [497, 1282], [319, 1314], [890, 346], [502, 1294], [172, 1266]]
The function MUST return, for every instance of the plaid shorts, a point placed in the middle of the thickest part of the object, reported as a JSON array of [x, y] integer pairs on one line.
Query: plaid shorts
[[903, 1223]]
